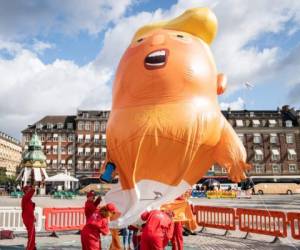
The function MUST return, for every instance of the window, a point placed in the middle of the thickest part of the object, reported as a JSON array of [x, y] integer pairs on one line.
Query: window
[[103, 152], [292, 156], [54, 163], [87, 164], [80, 164], [275, 155], [80, 138], [63, 150], [87, 138], [87, 151], [96, 139], [55, 137], [239, 123], [289, 124], [43, 137], [96, 126], [70, 125], [80, 151], [272, 123], [103, 126], [49, 137], [70, 138], [273, 138], [256, 138], [276, 168], [255, 123], [259, 169], [70, 163], [87, 126], [70, 150], [292, 168], [49, 125], [224, 170], [290, 138], [96, 165], [55, 149], [63, 137], [48, 149], [60, 125], [259, 156], [39, 126], [80, 125], [241, 137], [96, 151]]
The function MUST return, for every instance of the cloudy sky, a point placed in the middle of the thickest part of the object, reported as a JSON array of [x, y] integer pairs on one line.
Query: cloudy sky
[[59, 56]]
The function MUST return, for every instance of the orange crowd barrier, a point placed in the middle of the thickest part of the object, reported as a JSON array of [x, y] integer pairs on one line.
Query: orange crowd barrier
[[294, 220], [64, 219], [265, 222], [215, 217]]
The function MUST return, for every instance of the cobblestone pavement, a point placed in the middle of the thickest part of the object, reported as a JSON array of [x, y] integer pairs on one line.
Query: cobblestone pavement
[[203, 241]]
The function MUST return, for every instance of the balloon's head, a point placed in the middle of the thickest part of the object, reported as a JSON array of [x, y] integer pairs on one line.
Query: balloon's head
[[169, 61]]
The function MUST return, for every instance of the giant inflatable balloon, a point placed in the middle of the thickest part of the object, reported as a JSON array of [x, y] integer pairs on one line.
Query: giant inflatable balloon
[[166, 129]]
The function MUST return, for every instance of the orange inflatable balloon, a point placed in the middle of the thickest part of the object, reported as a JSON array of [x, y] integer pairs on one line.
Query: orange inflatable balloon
[[166, 129]]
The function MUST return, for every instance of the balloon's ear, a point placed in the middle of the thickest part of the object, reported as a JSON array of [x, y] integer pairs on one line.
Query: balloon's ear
[[221, 83]]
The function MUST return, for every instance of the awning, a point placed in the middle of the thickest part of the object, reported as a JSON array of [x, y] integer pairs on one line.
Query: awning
[[272, 122], [103, 136], [96, 162], [88, 136], [292, 151], [63, 161], [54, 146], [103, 149], [48, 161], [96, 136], [96, 150], [258, 152], [256, 135], [239, 123], [273, 135], [87, 162], [88, 150], [70, 161], [256, 122], [61, 177], [55, 135], [79, 162], [80, 136], [80, 149], [275, 152], [48, 146], [54, 161]]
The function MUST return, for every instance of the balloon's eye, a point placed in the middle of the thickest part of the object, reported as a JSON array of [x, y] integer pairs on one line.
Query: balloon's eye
[[140, 40], [180, 36]]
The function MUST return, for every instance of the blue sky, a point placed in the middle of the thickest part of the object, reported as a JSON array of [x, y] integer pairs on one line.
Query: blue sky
[[56, 56]]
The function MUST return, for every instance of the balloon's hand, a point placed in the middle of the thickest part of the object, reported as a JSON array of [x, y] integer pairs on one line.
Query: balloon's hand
[[236, 172]]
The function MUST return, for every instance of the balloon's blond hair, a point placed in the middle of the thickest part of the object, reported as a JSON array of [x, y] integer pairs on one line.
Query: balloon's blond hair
[[200, 22]]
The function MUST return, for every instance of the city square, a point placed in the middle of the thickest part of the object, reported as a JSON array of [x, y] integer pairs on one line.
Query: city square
[[149, 125]]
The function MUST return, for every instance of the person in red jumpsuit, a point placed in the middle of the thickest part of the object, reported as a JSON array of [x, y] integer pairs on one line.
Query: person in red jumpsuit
[[158, 230], [97, 224], [28, 216], [91, 204], [177, 238]]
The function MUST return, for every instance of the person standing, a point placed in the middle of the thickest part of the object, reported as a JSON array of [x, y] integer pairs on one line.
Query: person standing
[[91, 204], [28, 215], [158, 230], [96, 225]]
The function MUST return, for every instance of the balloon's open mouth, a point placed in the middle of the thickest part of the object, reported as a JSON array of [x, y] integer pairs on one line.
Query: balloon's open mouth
[[156, 59]]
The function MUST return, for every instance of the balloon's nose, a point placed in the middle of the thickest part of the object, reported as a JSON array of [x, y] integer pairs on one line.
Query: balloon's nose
[[158, 39]]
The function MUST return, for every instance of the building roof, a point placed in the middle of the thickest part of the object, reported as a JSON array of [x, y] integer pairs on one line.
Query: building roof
[[9, 138]]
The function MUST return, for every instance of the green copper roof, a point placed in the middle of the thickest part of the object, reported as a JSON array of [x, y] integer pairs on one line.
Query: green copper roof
[[34, 154]]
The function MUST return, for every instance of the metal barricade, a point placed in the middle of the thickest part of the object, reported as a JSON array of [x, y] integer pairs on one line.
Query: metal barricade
[[265, 222], [215, 217], [64, 219], [294, 220], [11, 219]]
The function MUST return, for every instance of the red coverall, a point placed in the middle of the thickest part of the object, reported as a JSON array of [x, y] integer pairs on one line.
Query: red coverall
[[157, 231], [177, 238], [90, 207], [90, 234], [28, 218]]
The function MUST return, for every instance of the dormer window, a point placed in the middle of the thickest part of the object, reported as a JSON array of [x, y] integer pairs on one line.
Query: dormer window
[[39, 126], [49, 125], [239, 123], [289, 124], [60, 125], [70, 125]]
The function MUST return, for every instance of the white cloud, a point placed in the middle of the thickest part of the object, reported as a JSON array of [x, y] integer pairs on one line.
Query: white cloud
[[239, 104], [40, 46], [31, 89]]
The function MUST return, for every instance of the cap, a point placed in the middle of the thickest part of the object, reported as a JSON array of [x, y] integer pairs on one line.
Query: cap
[[90, 193], [112, 208]]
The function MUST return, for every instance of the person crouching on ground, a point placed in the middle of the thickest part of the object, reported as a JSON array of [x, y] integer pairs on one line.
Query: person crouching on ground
[[91, 204], [28, 215], [158, 230], [97, 224]]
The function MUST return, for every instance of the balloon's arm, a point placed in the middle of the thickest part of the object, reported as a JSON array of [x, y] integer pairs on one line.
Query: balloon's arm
[[231, 154]]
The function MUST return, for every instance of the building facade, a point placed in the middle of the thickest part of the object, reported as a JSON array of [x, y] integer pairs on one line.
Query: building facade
[[10, 154], [73, 143], [78, 143]]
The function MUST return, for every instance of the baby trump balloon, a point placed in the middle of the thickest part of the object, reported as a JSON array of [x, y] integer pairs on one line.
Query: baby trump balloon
[[166, 128]]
